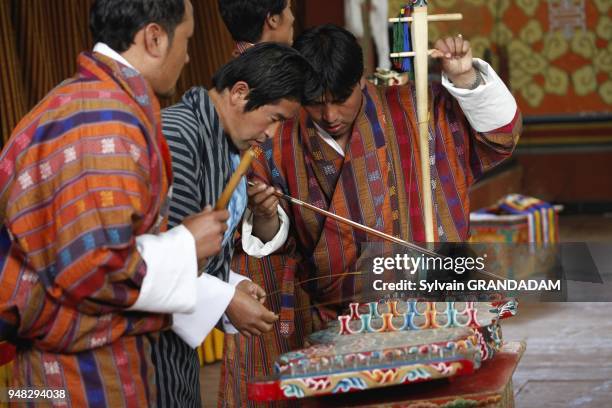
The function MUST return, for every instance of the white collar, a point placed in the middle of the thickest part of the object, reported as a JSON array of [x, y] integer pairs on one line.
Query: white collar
[[107, 51], [328, 139]]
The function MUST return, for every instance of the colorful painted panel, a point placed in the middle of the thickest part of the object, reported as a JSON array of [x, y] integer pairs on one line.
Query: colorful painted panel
[[490, 386], [265, 390], [390, 343], [557, 54], [596, 132], [369, 350], [368, 379]]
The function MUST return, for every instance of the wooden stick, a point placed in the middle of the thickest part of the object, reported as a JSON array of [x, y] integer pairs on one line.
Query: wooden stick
[[353, 224], [420, 19], [433, 17], [408, 54], [243, 167], [363, 228], [419, 35]]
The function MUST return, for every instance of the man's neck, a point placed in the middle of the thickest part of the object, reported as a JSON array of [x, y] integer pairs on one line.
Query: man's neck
[[217, 100], [343, 140], [338, 143]]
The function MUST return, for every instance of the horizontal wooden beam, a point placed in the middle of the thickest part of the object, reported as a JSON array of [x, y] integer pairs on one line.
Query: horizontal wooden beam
[[431, 17], [407, 54]]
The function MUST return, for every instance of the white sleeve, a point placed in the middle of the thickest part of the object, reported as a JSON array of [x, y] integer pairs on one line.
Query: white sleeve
[[172, 271], [488, 107], [214, 296], [253, 246]]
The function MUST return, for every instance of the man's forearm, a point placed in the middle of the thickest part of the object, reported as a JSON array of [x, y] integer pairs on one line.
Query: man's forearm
[[469, 80], [257, 247], [265, 228]]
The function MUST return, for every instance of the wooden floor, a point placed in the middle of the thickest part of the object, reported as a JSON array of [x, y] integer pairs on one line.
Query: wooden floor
[[568, 362]]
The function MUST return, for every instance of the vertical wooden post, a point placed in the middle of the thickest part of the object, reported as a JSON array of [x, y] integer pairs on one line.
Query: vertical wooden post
[[420, 20], [420, 46]]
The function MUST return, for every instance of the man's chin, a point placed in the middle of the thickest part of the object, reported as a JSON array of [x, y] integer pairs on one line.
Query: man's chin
[[167, 94], [336, 132]]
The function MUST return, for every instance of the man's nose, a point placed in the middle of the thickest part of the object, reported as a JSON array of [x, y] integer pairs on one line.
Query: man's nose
[[330, 113], [271, 130]]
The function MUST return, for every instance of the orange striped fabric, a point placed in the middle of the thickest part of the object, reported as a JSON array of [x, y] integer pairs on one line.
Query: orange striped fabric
[[83, 174]]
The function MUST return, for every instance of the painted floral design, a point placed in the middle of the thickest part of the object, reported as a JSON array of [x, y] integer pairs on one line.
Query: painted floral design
[[551, 71]]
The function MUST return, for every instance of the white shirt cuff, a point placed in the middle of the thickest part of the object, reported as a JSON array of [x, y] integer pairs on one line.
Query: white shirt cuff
[[236, 278], [214, 296], [253, 246], [169, 284], [488, 107]]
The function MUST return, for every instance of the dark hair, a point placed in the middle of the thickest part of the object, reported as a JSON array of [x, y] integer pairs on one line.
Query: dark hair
[[116, 22], [273, 72], [336, 57], [245, 18]]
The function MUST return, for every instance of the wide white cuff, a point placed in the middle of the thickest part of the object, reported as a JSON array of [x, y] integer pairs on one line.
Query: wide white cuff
[[236, 278], [214, 296], [488, 107], [253, 246], [172, 271]]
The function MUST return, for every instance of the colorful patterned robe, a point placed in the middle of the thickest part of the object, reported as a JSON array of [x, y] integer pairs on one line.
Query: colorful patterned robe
[[84, 173], [377, 184]]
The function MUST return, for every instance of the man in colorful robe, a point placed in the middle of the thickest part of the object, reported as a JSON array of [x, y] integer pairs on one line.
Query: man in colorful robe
[[85, 261], [355, 152]]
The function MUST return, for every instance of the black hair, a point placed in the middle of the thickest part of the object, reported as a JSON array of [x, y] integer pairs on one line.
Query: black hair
[[245, 18], [116, 22], [336, 57], [273, 72]]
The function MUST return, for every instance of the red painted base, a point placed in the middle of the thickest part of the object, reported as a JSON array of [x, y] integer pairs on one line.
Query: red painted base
[[490, 386], [271, 388]]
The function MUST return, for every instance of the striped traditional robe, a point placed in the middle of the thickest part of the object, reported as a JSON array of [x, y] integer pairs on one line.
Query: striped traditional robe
[[203, 160], [84, 173], [377, 184]]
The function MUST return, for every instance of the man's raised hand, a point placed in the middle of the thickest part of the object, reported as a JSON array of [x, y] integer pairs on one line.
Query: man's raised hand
[[207, 229]]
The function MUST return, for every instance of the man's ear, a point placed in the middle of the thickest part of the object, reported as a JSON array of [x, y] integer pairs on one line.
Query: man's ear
[[273, 21], [362, 83], [156, 40], [239, 95]]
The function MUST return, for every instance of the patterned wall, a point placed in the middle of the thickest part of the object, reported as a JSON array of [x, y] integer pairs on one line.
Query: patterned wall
[[40, 40], [557, 53]]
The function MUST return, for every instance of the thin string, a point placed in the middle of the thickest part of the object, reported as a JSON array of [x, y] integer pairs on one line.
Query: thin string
[[489, 274]]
